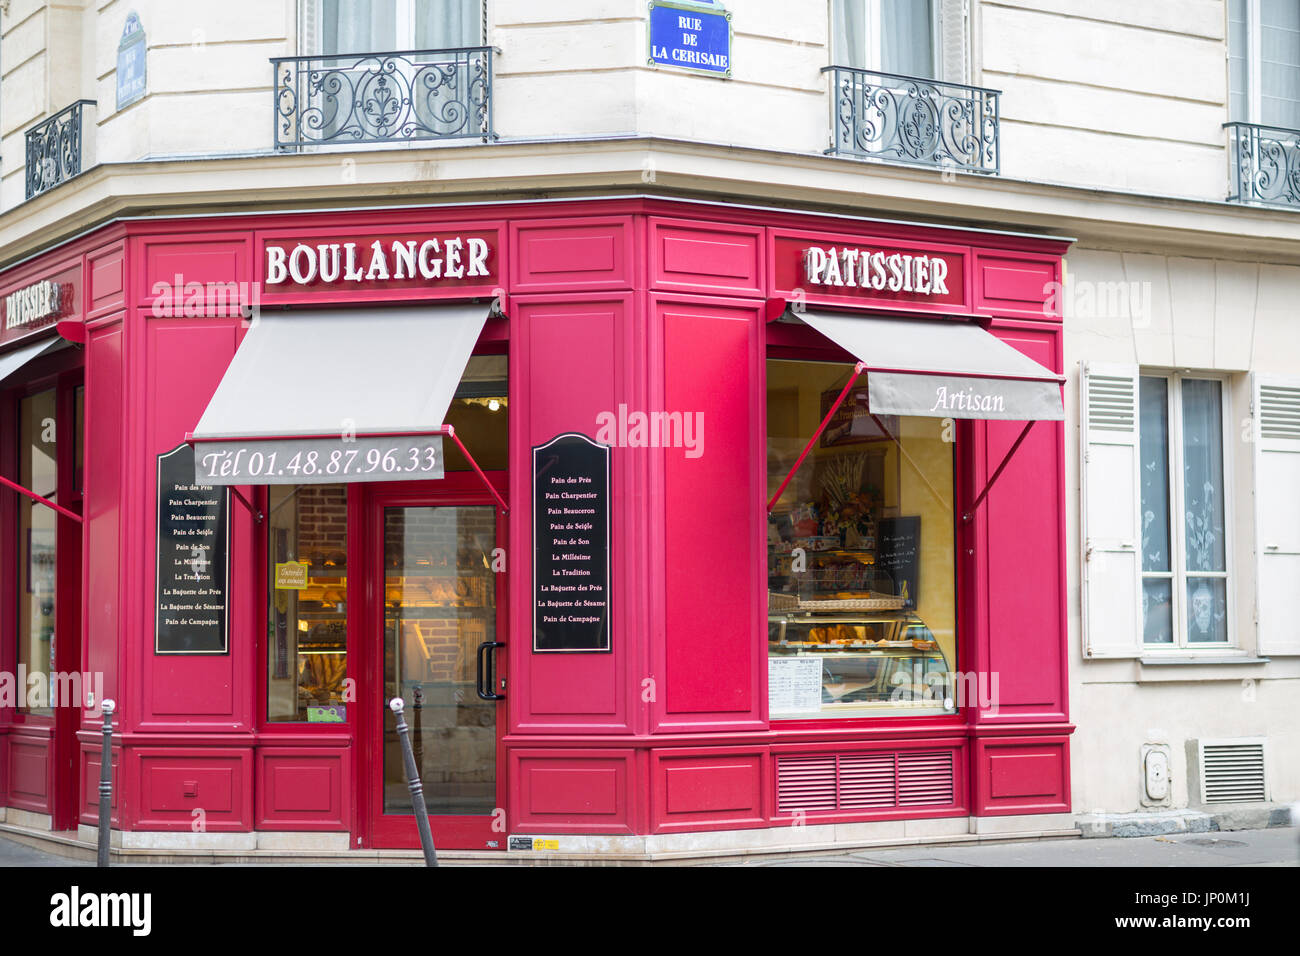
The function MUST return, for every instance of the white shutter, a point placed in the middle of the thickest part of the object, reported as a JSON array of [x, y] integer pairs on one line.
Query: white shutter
[[1112, 600], [1276, 403]]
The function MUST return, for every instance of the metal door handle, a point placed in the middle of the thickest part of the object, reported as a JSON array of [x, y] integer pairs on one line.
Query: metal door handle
[[486, 675]]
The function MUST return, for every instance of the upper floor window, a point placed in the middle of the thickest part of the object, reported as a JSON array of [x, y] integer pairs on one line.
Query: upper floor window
[[380, 26], [1264, 62], [890, 36]]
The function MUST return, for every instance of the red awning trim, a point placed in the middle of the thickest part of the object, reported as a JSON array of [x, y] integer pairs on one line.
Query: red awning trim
[[37, 498]]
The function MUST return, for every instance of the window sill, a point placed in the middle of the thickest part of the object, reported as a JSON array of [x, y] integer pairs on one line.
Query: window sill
[[1226, 659], [1184, 667]]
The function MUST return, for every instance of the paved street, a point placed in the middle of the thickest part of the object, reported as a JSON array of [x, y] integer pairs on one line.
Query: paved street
[[1278, 846]]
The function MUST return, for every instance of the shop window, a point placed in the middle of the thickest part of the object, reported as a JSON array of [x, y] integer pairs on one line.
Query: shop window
[[308, 573], [1264, 62], [860, 558], [1156, 520], [1182, 501], [308, 561], [37, 553]]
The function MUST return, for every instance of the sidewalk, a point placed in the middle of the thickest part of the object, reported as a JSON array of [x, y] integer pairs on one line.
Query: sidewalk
[[1277, 846]]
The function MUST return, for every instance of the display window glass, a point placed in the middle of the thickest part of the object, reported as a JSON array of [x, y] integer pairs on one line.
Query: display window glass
[[862, 615], [37, 555], [307, 560]]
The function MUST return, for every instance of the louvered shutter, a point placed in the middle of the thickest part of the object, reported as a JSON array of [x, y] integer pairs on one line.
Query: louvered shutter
[[1111, 571], [1277, 513]]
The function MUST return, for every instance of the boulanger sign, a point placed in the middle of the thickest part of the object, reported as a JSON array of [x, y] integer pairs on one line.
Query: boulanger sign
[[453, 257]]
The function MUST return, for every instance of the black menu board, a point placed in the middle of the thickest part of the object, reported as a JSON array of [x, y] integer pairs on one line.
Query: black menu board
[[898, 554], [571, 545], [193, 579]]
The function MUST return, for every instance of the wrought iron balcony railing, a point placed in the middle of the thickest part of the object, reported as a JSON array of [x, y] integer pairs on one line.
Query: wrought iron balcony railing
[[57, 148], [1264, 164], [383, 97], [905, 119]]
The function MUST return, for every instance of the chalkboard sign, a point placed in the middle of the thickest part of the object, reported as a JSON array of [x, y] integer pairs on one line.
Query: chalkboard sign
[[571, 545], [898, 554], [193, 576]]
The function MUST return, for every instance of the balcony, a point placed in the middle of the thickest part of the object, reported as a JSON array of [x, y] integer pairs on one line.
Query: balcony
[[904, 119], [57, 149], [1264, 164], [405, 97]]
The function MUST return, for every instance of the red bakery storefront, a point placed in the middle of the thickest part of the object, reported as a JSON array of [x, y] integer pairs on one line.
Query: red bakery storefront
[[661, 517]]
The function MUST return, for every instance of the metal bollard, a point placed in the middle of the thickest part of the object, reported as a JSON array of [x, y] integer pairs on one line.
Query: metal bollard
[[106, 783], [415, 785]]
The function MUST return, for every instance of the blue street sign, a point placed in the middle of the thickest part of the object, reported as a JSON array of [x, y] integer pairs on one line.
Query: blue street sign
[[692, 36]]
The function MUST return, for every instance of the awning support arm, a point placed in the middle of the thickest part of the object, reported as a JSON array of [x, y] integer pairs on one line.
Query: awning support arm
[[37, 498], [997, 473], [451, 433], [257, 515], [857, 370]]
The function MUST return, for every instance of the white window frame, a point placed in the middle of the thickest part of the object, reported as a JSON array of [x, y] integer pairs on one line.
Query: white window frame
[[1178, 575]]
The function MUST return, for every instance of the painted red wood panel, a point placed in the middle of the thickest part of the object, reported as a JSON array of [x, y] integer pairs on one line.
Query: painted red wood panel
[[102, 558], [1021, 286], [1020, 627], [91, 757], [1015, 775], [303, 788], [571, 255], [187, 359], [29, 772], [106, 268], [696, 257], [707, 788], [173, 785], [708, 662], [572, 791], [568, 364], [176, 269]]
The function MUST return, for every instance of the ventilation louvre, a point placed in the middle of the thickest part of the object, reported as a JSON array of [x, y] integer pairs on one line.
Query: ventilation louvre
[[1112, 403], [1279, 412], [1232, 771], [864, 781]]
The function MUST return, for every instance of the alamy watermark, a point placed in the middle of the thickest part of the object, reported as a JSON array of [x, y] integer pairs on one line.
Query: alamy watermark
[[59, 689]]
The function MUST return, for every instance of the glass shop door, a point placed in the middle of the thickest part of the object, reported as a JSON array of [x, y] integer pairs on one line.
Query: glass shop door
[[436, 586]]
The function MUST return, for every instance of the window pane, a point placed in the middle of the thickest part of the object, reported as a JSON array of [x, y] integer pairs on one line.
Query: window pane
[[907, 41], [1203, 474], [307, 557], [452, 23], [1207, 610], [1157, 611], [862, 604], [358, 26], [37, 525], [849, 33], [1154, 451], [1279, 67]]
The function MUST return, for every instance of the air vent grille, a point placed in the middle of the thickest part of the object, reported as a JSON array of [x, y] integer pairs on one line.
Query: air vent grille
[[864, 781], [1233, 772]]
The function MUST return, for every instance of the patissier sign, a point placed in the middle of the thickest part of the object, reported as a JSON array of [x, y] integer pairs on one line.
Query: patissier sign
[[874, 270], [428, 259], [31, 305]]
